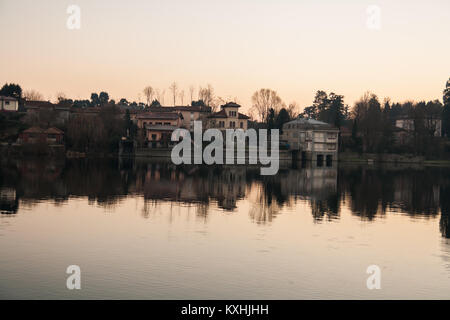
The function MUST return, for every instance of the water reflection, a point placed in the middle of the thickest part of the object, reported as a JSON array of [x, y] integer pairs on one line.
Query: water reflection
[[368, 191]]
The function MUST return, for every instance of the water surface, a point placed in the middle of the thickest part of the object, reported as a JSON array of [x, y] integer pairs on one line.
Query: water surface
[[156, 231]]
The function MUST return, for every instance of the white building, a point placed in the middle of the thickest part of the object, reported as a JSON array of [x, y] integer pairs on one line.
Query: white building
[[8, 104], [316, 140], [432, 123]]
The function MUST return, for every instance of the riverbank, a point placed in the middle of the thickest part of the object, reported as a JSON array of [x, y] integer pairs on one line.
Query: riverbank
[[353, 157], [16, 150]]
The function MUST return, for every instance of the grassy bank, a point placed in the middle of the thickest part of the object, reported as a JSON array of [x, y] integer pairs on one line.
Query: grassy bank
[[390, 158]]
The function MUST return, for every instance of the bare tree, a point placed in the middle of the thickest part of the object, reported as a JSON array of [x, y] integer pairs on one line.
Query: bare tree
[[206, 95], [163, 95], [181, 95], [264, 100], [216, 102], [149, 93], [191, 91], [32, 95], [293, 110], [174, 88]]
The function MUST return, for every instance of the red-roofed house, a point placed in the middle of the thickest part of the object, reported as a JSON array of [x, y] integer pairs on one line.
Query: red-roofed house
[[228, 118], [40, 135], [159, 126]]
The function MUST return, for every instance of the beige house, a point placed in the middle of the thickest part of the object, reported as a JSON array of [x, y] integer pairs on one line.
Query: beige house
[[189, 114], [228, 118], [315, 140], [9, 104], [158, 127]]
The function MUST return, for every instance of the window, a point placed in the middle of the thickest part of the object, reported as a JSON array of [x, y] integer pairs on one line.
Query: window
[[153, 136], [167, 123], [7, 102], [221, 124], [232, 124], [332, 135], [241, 125]]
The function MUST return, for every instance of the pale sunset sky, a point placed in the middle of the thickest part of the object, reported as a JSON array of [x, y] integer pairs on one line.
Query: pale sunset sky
[[292, 46]]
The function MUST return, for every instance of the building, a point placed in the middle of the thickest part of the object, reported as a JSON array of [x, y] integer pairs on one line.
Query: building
[[9, 104], [40, 110], [189, 114], [228, 117], [315, 140], [158, 127], [432, 123], [40, 135]]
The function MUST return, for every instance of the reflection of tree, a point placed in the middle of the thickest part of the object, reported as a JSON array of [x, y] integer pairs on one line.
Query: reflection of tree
[[365, 188], [263, 209], [317, 185], [374, 190], [368, 191], [444, 223], [328, 208]]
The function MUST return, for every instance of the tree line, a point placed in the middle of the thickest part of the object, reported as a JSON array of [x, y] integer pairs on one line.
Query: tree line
[[369, 126]]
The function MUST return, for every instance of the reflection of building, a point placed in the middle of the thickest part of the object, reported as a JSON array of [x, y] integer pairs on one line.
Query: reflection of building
[[310, 183], [169, 183], [9, 202], [39, 135], [8, 104], [316, 140], [318, 185], [228, 118]]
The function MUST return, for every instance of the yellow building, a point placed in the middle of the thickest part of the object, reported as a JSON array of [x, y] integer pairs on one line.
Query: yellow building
[[228, 117], [189, 114], [158, 127]]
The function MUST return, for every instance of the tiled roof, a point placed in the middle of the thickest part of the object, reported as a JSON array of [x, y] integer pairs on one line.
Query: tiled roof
[[223, 114], [159, 115], [36, 103], [51, 130], [54, 130], [309, 123], [7, 98], [34, 130], [160, 127], [231, 105], [180, 108], [243, 116], [220, 114]]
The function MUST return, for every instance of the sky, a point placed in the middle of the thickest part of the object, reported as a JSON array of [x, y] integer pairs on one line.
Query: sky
[[294, 47]]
